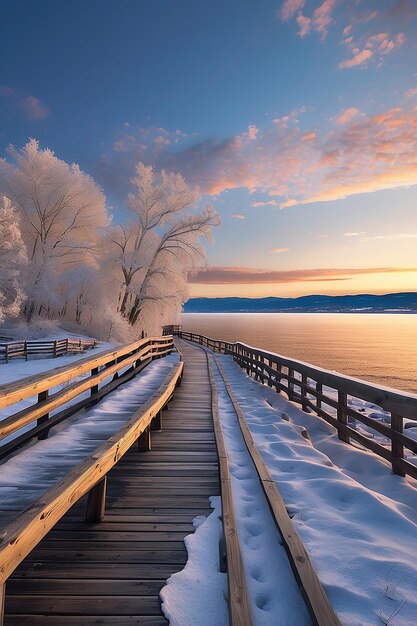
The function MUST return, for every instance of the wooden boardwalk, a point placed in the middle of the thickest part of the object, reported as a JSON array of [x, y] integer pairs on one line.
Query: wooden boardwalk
[[111, 573]]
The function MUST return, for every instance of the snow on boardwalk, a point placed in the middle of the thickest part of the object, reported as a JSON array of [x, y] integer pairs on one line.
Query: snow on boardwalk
[[24, 477], [358, 522]]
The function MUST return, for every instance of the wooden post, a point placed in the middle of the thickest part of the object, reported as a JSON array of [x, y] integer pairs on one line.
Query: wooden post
[[397, 448], [342, 415], [156, 423], [66, 345], [144, 441], [55, 345], [7, 352], [290, 383], [41, 420], [319, 389], [2, 600], [94, 388], [303, 391], [96, 502], [26, 350]]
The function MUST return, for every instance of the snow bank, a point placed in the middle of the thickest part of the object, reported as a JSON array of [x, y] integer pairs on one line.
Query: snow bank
[[274, 593], [199, 591], [357, 521]]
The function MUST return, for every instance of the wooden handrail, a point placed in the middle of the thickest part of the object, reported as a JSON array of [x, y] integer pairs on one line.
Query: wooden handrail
[[24, 533], [308, 390], [102, 366]]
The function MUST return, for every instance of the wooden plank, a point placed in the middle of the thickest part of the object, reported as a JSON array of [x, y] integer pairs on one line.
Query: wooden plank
[[84, 605], [84, 620]]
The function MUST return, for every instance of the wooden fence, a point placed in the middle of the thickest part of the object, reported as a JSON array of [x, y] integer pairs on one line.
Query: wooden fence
[[58, 347], [321, 391], [50, 394]]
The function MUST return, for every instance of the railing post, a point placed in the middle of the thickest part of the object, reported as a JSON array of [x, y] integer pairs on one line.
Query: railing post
[[144, 441], [43, 395], [319, 389], [7, 352], [55, 345], [342, 417], [26, 350], [96, 502], [156, 423], [94, 388], [290, 383], [397, 448], [303, 391]]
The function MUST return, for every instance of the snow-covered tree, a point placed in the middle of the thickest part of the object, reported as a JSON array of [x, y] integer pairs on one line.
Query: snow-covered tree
[[61, 210], [155, 251], [13, 260]]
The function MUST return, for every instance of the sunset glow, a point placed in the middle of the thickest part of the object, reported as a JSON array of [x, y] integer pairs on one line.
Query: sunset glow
[[297, 119]]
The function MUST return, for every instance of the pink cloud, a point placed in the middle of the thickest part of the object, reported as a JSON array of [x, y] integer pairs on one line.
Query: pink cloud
[[289, 8], [250, 276], [346, 115], [269, 202], [319, 21], [239, 216], [359, 58], [359, 154], [280, 250], [309, 136], [304, 24]]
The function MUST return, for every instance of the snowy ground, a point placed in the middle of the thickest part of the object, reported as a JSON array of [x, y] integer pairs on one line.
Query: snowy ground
[[46, 462], [357, 520]]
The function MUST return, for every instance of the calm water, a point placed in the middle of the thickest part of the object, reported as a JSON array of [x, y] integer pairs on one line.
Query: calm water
[[378, 348]]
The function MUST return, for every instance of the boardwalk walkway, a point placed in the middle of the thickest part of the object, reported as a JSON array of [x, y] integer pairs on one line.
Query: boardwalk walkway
[[111, 573]]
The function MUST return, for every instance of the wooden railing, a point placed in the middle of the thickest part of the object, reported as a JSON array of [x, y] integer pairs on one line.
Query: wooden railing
[[323, 391], [171, 329], [19, 538], [83, 375], [58, 347]]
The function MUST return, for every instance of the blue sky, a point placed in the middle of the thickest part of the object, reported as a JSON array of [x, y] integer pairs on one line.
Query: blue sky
[[309, 106]]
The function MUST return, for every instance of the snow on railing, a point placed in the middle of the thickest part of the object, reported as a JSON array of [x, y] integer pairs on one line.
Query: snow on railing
[[64, 385], [340, 400]]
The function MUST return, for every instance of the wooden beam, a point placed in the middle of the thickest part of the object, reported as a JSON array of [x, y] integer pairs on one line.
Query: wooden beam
[[96, 502], [144, 441]]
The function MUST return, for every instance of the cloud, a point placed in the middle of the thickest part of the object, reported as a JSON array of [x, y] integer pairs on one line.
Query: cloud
[[354, 234], [33, 108], [289, 8], [251, 276], [360, 57], [279, 250], [319, 21], [410, 93], [239, 216], [363, 154], [267, 203], [346, 115]]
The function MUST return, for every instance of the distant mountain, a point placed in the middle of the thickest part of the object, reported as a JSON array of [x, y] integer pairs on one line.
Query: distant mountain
[[362, 303]]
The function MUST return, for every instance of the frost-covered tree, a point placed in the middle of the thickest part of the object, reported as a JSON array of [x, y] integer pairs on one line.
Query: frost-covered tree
[[159, 246], [61, 209], [13, 259]]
